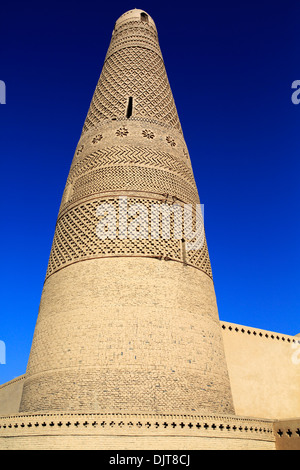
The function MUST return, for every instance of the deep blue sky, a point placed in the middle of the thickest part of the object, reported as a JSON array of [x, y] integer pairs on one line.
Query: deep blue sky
[[230, 66]]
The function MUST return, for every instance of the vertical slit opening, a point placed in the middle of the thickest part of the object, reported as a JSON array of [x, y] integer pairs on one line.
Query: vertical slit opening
[[183, 250], [129, 107]]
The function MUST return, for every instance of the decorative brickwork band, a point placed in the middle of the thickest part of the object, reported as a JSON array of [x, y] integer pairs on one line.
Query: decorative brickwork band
[[133, 67], [76, 236]]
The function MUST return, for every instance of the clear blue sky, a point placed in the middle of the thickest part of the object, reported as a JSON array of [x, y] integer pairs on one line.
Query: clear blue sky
[[230, 66]]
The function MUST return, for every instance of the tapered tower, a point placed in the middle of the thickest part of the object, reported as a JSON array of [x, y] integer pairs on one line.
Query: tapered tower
[[128, 319]]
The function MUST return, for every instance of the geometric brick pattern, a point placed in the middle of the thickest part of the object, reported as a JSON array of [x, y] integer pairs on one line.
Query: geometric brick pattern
[[133, 67], [76, 238], [130, 168]]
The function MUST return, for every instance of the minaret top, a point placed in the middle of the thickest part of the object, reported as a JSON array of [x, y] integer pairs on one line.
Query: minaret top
[[133, 83], [135, 15]]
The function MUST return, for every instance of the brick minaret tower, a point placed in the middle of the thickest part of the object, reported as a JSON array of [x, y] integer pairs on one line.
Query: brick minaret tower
[[128, 320]]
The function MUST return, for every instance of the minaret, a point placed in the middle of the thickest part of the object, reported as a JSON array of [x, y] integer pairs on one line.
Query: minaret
[[128, 320]]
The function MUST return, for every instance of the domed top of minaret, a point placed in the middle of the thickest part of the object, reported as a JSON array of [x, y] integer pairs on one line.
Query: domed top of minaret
[[135, 15]]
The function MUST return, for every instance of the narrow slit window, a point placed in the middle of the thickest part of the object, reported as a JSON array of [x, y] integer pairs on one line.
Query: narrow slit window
[[129, 107], [183, 250]]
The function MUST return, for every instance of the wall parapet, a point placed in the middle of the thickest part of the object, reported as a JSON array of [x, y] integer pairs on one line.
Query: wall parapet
[[259, 333], [31, 423], [264, 371], [287, 434], [13, 381]]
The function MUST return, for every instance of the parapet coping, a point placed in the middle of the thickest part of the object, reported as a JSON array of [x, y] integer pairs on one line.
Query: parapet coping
[[259, 333]]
